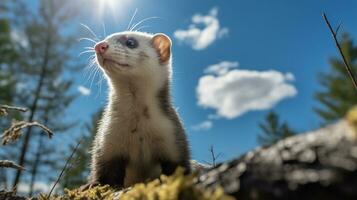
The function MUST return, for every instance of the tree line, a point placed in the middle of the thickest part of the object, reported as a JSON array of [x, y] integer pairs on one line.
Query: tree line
[[36, 54]]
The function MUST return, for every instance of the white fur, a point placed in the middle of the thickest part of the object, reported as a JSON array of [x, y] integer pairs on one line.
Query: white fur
[[131, 90]]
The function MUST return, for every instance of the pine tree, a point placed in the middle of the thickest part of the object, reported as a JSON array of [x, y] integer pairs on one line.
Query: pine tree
[[7, 83], [45, 57], [8, 55], [338, 94], [78, 172], [273, 130], [46, 157]]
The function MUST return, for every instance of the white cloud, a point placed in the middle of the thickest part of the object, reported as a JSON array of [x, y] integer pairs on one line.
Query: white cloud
[[200, 38], [83, 90], [221, 68], [238, 91], [203, 126]]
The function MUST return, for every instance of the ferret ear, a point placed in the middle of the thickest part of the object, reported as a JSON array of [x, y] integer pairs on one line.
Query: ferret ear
[[162, 44]]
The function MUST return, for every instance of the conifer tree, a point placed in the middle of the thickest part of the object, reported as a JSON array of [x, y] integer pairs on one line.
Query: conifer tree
[[338, 94], [46, 56], [273, 130]]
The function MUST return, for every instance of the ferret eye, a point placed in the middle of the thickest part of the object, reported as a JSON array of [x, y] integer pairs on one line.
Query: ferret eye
[[131, 43]]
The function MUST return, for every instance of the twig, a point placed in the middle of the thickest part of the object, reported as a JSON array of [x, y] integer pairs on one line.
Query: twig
[[214, 156], [10, 164], [4, 109], [64, 168], [334, 35]]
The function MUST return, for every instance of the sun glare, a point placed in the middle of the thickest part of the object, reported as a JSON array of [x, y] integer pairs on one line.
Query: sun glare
[[115, 8]]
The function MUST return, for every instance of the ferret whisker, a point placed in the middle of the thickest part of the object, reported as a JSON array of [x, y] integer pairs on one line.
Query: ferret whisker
[[90, 30], [141, 27], [88, 39], [94, 77], [91, 58], [87, 51], [90, 72], [132, 18], [92, 63], [89, 48], [89, 69], [99, 83], [142, 21]]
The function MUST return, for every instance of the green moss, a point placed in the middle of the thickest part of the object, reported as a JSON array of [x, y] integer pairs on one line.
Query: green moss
[[177, 186], [173, 187]]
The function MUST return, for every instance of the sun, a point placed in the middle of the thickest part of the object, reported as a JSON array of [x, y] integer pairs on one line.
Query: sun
[[103, 4], [114, 7]]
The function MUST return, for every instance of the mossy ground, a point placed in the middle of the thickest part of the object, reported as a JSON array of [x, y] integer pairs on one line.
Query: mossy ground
[[175, 187]]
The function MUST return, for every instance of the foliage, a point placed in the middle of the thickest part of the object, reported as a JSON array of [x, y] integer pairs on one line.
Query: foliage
[[338, 94], [8, 54], [273, 130]]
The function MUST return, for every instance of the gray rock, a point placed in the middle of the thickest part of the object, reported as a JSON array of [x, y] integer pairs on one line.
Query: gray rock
[[317, 165]]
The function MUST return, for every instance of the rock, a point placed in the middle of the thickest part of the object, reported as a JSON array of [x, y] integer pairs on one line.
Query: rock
[[321, 164]]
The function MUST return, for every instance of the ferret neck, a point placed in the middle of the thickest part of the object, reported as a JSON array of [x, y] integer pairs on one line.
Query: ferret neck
[[134, 91]]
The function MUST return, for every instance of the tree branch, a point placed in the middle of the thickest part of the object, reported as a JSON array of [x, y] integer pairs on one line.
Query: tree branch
[[334, 35], [5, 108]]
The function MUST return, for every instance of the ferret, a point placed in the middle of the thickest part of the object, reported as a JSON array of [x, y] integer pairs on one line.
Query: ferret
[[140, 135]]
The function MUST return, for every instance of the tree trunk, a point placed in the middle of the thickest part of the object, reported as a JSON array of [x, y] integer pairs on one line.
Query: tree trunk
[[33, 109], [36, 164]]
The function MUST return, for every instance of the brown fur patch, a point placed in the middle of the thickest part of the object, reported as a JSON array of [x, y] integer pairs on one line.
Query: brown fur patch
[[103, 172], [146, 112]]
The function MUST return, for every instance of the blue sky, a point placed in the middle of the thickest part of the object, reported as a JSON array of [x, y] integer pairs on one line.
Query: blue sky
[[272, 50]]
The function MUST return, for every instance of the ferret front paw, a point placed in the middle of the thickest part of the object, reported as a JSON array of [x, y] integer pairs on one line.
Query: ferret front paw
[[89, 185]]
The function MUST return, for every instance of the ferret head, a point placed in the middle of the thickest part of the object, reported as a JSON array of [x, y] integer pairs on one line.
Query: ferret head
[[135, 55]]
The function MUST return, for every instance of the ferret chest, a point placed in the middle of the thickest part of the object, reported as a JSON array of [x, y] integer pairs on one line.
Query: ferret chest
[[142, 133]]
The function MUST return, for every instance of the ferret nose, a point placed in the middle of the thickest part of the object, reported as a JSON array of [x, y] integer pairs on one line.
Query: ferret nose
[[101, 47]]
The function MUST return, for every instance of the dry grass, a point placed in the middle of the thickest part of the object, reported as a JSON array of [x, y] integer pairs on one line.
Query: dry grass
[[15, 130], [10, 164], [4, 109]]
